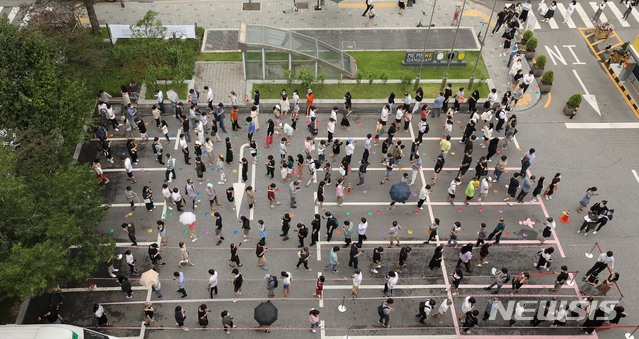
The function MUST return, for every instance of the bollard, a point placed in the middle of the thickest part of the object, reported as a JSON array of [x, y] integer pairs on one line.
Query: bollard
[[589, 254], [341, 307]]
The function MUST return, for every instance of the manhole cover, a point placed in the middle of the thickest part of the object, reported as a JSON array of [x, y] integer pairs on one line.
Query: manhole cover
[[251, 6]]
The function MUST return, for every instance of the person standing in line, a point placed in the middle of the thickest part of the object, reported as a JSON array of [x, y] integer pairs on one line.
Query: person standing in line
[[154, 255], [271, 284], [130, 229], [180, 282], [498, 231], [149, 315], [513, 186], [354, 255], [361, 231], [526, 161], [454, 233], [100, 315], [286, 282], [501, 19], [519, 281], [377, 259], [525, 188], [483, 253], [260, 252], [227, 321], [170, 167], [599, 11], [456, 278], [348, 229], [235, 258], [552, 187], [451, 190], [561, 279], [384, 311], [425, 308], [212, 283], [177, 198], [147, 196], [424, 192], [333, 260], [549, 227], [303, 255], [436, 259], [357, 281], [316, 225], [432, 231], [237, 281], [128, 167], [331, 225], [416, 167], [537, 191], [125, 285], [465, 256], [403, 258], [545, 259], [470, 190], [130, 195], [270, 193], [191, 193], [218, 228], [500, 277], [203, 316], [302, 233], [393, 232], [180, 316]]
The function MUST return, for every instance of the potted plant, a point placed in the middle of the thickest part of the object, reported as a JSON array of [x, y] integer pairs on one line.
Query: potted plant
[[531, 46], [538, 65], [546, 81], [526, 36], [603, 30], [572, 105]]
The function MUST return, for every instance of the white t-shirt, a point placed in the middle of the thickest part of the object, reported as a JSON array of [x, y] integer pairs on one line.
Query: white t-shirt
[[127, 165], [183, 143], [467, 306], [287, 280], [213, 280], [392, 281], [443, 307], [385, 113], [361, 228], [485, 185], [129, 258], [357, 279]]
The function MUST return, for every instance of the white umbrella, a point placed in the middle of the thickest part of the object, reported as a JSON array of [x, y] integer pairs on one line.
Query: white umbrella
[[187, 218], [149, 278], [172, 95]]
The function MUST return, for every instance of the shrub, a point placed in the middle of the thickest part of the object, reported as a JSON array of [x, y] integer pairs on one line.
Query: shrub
[[321, 77], [371, 78], [527, 35], [307, 77], [548, 77], [541, 61], [383, 77], [358, 77], [289, 76], [531, 45], [406, 79], [575, 100]]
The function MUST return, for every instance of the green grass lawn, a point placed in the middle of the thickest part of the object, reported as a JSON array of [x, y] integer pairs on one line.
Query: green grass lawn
[[391, 64], [225, 56], [361, 91]]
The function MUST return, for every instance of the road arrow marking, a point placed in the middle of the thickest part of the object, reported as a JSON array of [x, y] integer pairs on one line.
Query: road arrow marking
[[590, 98]]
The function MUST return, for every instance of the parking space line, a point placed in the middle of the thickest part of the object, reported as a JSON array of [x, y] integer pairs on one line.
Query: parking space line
[[321, 300], [635, 174]]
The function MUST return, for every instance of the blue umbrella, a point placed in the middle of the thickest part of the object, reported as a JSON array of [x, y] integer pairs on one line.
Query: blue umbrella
[[399, 192]]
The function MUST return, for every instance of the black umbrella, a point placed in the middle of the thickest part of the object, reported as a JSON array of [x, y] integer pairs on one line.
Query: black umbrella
[[399, 192], [265, 313]]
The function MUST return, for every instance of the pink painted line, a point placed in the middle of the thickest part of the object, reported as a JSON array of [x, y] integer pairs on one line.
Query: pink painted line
[[554, 234], [580, 336], [488, 203]]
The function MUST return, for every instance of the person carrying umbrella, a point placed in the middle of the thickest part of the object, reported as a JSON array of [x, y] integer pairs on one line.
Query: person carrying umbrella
[[399, 192], [265, 314]]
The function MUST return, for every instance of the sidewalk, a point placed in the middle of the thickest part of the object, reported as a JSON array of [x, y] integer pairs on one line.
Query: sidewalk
[[346, 14]]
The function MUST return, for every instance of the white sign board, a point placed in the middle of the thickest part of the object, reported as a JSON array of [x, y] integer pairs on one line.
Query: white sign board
[[181, 31]]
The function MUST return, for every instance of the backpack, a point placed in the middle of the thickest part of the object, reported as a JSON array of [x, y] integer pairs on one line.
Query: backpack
[[202, 167], [274, 280], [380, 310], [318, 164]]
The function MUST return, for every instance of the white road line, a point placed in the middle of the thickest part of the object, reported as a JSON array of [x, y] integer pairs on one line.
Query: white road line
[[602, 125], [252, 210], [516, 143], [138, 204], [537, 25], [152, 169], [138, 139], [602, 17], [635, 174], [553, 23], [635, 14], [395, 138], [618, 14], [584, 16], [461, 242], [177, 139], [443, 203], [377, 287], [140, 244], [12, 14], [100, 289], [562, 10]]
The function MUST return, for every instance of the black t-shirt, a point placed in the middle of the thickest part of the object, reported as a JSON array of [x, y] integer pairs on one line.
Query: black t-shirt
[[377, 256], [316, 224], [439, 165], [218, 223], [563, 276], [141, 127], [467, 161], [354, 250], [468, 146]]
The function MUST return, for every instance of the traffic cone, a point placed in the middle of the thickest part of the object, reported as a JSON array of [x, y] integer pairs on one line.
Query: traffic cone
[[565, 218], [348, 191]]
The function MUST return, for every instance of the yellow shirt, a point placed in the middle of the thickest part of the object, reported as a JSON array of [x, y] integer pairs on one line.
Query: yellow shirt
[[444, 145]]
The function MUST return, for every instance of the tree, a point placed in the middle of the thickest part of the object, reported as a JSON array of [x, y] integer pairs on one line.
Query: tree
[[93, 17], [50, 206], [36, 93]]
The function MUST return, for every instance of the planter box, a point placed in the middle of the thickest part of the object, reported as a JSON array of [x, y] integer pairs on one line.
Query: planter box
[[544, 88], [568, 110], [537, 71], [529, 55], [599, 34]]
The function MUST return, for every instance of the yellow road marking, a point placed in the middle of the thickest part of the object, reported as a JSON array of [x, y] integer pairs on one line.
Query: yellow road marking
[[601, 64], [548, 100]]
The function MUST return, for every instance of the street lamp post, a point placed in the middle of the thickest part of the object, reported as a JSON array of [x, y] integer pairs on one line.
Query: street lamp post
[[421, 64], [452, 47], [481, 47]]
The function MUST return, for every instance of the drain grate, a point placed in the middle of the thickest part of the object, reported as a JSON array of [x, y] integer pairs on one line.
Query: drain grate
[[251, 6]]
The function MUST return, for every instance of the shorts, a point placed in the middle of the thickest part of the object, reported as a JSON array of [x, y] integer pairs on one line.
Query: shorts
[[285, 286], [144, 135], [393, 238], [450, 195], [218, 231], [237, 288], [289, 170], [129, 174]]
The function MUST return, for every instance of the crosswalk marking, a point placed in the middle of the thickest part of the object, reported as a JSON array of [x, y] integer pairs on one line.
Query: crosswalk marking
[[618, 14], [602, 17], [584, 16], [13, 13], [562, 10], [532, 16], [553, 23], [635, 14]]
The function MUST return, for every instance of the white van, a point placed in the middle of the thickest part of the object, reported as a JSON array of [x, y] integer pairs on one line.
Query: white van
[[49, 332]]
